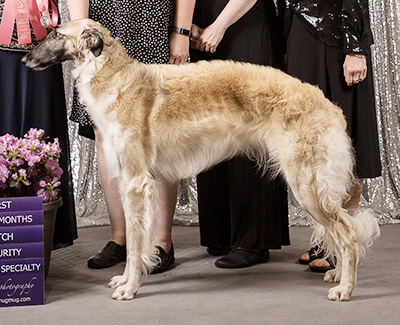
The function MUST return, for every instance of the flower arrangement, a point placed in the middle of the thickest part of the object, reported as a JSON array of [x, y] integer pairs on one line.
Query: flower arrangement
[[29, 166]]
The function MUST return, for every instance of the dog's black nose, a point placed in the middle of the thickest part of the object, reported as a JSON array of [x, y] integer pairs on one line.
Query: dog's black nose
[[25, 59]]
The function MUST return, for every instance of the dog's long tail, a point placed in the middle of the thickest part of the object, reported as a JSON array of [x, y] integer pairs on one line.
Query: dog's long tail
[[363, 225], [317, 162], [333, 181]]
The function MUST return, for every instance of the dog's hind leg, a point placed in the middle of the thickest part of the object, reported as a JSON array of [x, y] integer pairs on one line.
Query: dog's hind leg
[[362, 229], [317, 164], [340, 240], [347, 253], [137, 198]]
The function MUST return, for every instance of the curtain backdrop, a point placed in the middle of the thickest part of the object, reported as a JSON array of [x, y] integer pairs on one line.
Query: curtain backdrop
[[381, 194]]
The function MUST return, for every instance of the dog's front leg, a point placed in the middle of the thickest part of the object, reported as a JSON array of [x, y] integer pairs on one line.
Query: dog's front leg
[[119, 280], [137, 198]]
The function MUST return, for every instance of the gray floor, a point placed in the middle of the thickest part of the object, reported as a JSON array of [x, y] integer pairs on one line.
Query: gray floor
[[196, 292]]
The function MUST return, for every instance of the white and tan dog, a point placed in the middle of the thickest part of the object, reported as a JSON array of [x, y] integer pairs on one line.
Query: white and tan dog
[[172, 122]]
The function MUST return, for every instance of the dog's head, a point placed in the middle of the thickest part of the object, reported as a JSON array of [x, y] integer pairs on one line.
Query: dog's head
[[76, 40]]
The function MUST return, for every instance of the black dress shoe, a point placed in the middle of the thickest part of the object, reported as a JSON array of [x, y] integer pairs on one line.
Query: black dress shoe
[[166, 260], [109, 255], [219, 250], [242, 257]]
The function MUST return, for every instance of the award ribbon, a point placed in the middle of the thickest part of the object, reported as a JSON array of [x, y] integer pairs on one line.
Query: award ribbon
[[45, 20], [22, 12]]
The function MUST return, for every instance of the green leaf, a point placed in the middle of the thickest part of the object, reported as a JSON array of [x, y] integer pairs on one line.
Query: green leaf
[[26, 182]]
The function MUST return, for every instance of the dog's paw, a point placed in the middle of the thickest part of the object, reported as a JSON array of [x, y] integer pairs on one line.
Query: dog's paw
[[339, 293], [125, 292], [117, 281], [332, 276]]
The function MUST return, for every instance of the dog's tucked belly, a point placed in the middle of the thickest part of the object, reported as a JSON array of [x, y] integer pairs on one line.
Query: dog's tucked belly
[[195, 146], [184, 164]]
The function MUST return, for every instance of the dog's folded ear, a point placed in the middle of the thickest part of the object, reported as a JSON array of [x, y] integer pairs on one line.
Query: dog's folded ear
[[91, 39]]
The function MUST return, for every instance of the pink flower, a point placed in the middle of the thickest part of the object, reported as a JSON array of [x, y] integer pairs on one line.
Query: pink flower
[[53, 167], [29, 166], [32, 157], [49, 190], [34, 134], [22, 173], [3, 173]]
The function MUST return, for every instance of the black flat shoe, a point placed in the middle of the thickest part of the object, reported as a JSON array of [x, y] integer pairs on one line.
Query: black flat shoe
[[219, 250], [109, 255], [242, 257], [166, 260]]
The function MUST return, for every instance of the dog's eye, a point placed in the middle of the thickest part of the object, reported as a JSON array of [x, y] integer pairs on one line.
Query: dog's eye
[[55, 34]]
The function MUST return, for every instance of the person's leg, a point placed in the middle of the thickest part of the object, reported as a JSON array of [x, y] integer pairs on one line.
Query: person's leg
[[167, 193], [258, 207], [214, 209], [111, 196], [165, 211], [352, 204], [115, 250]]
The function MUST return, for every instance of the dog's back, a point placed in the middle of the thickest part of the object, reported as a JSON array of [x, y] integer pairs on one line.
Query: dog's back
[[241, 90]]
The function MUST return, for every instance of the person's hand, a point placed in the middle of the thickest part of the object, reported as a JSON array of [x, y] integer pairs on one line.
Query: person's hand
[[195, 37], [178, 48], [355, 69], [210, 38]]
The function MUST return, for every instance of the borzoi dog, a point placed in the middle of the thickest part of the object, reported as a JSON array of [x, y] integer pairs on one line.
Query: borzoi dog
[[172, 122]]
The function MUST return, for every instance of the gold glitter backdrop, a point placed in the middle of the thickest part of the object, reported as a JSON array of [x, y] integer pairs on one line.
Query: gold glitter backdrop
[[381, 194]]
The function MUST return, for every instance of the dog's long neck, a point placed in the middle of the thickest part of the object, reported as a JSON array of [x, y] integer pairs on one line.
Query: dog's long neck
[[96, 77], [89, 66]]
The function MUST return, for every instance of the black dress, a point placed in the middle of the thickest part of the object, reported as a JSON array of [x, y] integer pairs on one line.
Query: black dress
[[237, 206], [312, 60], [32, 99]]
